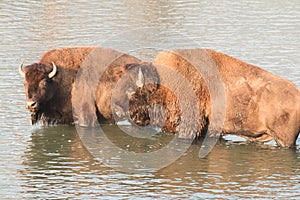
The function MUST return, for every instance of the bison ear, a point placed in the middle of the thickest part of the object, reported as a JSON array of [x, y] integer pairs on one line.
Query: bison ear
[[140, 78], [53, 72]]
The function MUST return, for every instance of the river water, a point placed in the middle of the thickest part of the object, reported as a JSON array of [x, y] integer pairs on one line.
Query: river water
[[53, 162]]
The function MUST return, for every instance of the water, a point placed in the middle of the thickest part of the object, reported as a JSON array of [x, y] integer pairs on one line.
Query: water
[[52, 163]]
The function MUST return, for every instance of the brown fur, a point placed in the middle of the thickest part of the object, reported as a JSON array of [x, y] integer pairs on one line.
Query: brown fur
[[69, 57], [58, 109], [110, 88], [54, 95], [259, 105]]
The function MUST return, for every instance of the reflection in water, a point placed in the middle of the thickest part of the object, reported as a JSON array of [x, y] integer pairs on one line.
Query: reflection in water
[[238, 170], [128, 153], [56, 158]]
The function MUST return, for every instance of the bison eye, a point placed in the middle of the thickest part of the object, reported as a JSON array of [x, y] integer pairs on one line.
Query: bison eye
[[44, 82]]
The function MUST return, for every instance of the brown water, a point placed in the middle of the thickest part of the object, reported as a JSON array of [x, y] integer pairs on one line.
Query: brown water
[[53, 163]]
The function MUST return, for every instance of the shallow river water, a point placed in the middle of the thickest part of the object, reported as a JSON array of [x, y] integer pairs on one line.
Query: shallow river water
[[54, 163]]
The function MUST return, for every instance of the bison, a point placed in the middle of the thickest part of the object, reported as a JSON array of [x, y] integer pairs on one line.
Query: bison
[[50, 84], [258, 105], [85, 85]]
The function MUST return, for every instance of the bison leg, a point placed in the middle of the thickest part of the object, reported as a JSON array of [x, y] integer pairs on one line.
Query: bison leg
[[285, 129], [286, 139]]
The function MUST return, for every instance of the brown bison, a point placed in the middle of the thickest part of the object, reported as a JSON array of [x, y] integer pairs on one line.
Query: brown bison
[[49, 84], [259, 106]]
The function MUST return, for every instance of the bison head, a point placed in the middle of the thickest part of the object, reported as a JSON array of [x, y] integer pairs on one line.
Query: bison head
[[39, 87]]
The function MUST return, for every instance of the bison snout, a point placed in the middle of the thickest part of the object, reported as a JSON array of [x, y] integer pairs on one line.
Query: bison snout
[[31, 105]]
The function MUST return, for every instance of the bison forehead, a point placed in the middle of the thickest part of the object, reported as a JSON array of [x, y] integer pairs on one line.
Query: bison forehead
[[36, 71], [148, 70], [38, 67]]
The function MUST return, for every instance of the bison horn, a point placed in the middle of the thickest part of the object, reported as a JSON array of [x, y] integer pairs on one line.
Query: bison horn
[[140, 81], [54, 70], [22, 73]]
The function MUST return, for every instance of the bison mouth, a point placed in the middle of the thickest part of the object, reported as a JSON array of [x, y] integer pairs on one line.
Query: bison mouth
[[37, 112], [34, 107]]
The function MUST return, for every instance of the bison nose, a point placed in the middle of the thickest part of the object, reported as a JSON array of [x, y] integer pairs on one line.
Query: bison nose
[[31, 105]]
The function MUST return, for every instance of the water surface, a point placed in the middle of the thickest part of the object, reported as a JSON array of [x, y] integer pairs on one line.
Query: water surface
[[52, 162]]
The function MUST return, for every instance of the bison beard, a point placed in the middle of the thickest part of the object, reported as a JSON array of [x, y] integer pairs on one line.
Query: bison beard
[[44, 115], [35, 117], [39, 115]]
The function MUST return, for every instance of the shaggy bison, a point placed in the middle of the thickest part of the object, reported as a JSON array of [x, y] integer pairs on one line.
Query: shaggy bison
[[259, 106], [49, 84]]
